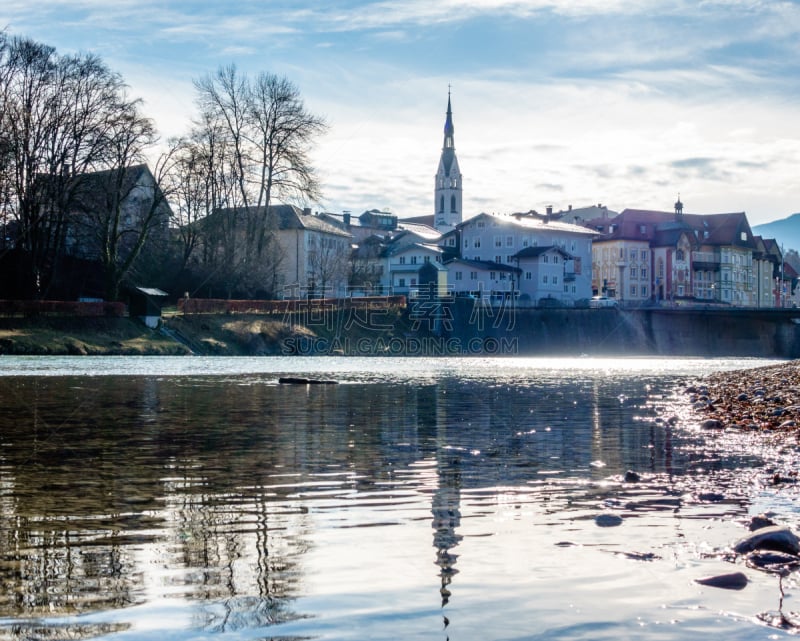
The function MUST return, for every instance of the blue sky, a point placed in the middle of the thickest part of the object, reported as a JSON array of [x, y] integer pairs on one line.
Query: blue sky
[[555, 102]]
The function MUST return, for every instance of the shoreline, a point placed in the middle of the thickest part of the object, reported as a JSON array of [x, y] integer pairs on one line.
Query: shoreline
[[762, 399]]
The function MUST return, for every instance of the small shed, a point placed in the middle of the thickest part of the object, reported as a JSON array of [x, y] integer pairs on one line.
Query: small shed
[[146, 303]]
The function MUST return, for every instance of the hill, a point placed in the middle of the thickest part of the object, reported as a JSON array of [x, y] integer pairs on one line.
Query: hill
[[786, 231]]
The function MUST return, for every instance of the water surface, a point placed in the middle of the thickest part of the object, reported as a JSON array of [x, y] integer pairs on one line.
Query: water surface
[[185, 498]]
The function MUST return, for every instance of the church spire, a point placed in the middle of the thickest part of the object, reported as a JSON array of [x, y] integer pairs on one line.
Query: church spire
[[449, 130], [447, 192]]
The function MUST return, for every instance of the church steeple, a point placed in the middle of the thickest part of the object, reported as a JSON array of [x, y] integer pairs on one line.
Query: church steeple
[[447, 192]]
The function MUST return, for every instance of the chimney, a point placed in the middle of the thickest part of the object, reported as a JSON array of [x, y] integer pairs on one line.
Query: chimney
[[307, 211], [549, 210], [346, 218]]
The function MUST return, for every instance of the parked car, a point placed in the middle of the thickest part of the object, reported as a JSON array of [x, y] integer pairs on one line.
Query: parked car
[[597, 302]]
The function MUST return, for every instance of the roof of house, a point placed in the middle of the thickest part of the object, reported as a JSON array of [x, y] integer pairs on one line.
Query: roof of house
[[534, 223], [486, 265], [425, 232], [661, 228], [535, 252], [394, 250], [422, 220], [292, 217]]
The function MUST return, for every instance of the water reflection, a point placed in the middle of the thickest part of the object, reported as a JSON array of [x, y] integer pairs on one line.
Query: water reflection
[[125, 491]]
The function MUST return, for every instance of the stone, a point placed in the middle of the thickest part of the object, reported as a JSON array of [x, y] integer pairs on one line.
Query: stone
[[732, 581], [608, 520], [774, 537]]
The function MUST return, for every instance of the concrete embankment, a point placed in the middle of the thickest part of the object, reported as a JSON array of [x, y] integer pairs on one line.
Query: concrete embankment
[[685, 332]]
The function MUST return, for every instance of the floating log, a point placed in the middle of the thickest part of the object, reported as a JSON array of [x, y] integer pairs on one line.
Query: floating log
[[293, 380]]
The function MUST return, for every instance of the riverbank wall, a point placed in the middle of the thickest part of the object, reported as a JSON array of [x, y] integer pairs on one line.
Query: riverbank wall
[[423, 329], [658, 331]]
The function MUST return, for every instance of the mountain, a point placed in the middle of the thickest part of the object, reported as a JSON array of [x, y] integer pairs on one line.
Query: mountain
[[786, 231]]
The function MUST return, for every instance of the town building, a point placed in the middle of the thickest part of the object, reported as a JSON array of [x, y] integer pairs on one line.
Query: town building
[[656, 257], [308, 256], [552, 258]]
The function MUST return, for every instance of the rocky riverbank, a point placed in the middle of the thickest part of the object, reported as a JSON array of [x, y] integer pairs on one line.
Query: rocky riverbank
[[765, 399]]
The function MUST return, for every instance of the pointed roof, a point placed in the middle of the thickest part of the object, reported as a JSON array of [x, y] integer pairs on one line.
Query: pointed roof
[[448, 162]]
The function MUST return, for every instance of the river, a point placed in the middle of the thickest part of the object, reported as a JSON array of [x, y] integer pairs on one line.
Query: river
[[464, 499]]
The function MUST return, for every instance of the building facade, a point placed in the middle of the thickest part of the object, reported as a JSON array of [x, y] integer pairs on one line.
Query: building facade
[[553, 258]]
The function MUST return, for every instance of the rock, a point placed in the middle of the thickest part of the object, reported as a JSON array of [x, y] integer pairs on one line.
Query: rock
[[632, 477], [760, 521], [774, 537], [608, 520], [733, 581], [710, 497], [712, 424], [777, 562]]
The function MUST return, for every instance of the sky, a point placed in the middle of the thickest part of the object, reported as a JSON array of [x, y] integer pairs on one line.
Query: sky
[[625, 103]]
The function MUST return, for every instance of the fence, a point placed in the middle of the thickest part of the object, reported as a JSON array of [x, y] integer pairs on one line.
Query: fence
[[60, 308], [224, 306]]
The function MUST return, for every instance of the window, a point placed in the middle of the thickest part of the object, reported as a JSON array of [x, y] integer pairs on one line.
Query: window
[[492, 276], [481, 224], [544, 279], [401, 282], [473, 275], [476, 243], [413, 260], [644, 255], [498, 242], [453, 202], [555, 280], [679, 254], [545, 258], [633, 273], [402, 260], [427, 259], [644, 273], [498, 259], [633, 254], [642, 229], [502, 275], [509, 241], [466, 243], [458, 275], [451, 242], [644, 291], [441, 204], [633, 290], [525, 241], [528, 276], [555, 260]]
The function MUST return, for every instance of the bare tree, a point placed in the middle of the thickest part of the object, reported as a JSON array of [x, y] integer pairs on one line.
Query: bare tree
[[328, 260], [125, 205], [58, 115], [262, 134]]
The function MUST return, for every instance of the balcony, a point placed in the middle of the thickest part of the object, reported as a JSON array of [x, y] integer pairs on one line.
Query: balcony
[[705, 261]]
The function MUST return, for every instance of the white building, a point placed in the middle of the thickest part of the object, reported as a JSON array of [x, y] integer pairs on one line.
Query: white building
[[402, 265], [554, 258]]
